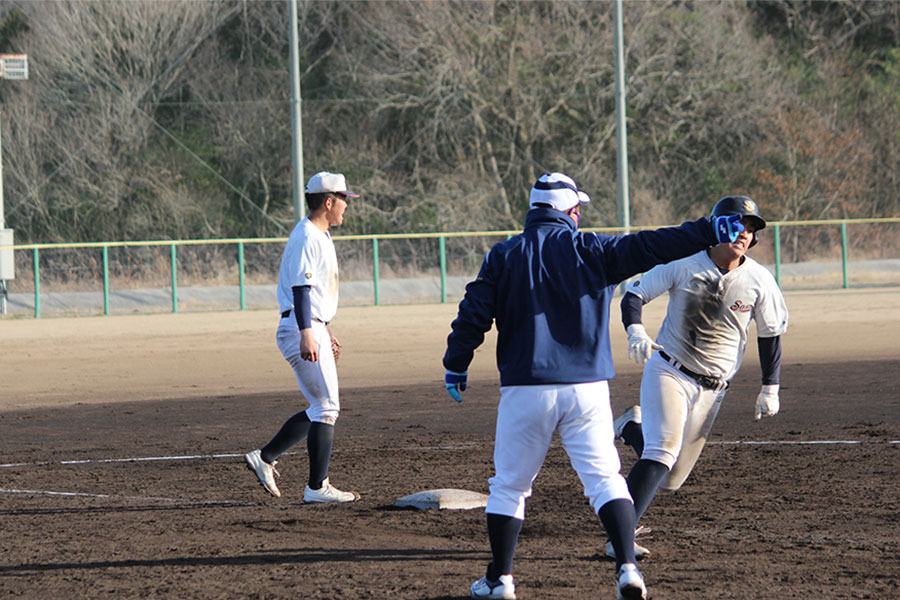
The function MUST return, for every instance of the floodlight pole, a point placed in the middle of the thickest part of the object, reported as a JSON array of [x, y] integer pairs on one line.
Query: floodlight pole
[[621, 135], [3, 291], [2, 223], [12, 66], [296, 125]]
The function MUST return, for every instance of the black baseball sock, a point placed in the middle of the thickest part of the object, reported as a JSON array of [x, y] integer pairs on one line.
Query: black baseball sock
[[503, 531], [319, 442], [634, 436], [618, 519], [643, 482], [293, 431]]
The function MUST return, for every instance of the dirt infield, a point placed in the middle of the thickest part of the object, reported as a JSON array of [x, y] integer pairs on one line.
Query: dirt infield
[[121, 472]]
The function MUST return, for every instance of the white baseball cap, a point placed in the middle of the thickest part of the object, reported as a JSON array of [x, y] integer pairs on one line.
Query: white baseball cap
[[324, 182], [558, 191]]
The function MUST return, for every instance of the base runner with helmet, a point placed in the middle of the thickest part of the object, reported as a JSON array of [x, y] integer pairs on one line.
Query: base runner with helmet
[[548, 291], [308, 297], [714, 295]]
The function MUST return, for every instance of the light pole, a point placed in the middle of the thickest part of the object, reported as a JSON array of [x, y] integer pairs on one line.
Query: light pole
[[296, 125], [12, 66], [621, 134]]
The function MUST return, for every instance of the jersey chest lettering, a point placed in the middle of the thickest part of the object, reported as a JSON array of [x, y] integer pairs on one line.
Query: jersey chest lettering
[[740, 307]]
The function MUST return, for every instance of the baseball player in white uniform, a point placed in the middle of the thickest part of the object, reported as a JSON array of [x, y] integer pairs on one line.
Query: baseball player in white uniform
[[548, 290], [713, 297], [308, 297]]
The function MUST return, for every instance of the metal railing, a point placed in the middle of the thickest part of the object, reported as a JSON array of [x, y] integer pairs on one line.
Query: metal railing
[[777, 233]]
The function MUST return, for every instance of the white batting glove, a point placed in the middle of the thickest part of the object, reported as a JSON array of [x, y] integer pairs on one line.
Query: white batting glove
[[767, 403], [640, 345]]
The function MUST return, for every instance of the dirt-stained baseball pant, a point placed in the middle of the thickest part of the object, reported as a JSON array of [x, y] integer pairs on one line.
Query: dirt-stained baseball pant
[[677, 415], [528, 416], [317, 380]]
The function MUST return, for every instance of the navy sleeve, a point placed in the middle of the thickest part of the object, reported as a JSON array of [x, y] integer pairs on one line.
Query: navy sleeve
[[627, 255], [632, 307], [302, 310], [475, 318], [770, 359]]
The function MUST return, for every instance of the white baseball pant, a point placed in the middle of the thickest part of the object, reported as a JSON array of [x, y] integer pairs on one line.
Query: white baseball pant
[[677, 414], [317, 380], [528, 416]]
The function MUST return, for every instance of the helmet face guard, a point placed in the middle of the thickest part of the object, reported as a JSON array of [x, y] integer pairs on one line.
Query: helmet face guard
[[744, 206]]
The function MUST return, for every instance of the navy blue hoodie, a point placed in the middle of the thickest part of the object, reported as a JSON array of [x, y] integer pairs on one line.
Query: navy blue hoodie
[[549, 290]]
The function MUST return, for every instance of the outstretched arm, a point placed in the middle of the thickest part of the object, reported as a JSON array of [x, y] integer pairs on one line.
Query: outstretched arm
[[634, 253]]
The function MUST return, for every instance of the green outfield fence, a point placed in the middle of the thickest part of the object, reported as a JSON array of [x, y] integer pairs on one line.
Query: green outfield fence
[[825, 242]]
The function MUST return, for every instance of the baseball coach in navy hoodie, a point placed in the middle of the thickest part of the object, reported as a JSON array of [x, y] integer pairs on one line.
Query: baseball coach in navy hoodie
[[549, 290]]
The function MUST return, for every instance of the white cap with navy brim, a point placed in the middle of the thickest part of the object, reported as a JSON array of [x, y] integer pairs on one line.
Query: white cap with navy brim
[[325, 183], [557, 191]]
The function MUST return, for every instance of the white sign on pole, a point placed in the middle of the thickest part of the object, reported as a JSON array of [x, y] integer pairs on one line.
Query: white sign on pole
[[7, 259], [14, 66]]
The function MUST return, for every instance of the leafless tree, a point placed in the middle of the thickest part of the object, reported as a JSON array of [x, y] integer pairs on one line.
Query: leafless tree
[[472, 101], [98, 70], [162, 119]]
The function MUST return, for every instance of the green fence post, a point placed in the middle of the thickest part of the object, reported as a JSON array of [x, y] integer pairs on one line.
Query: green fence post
[[105, 280], [174, 279], [844, 253], [442, 245], [241, 274], [777, 240], [37, 285], [375, 268]]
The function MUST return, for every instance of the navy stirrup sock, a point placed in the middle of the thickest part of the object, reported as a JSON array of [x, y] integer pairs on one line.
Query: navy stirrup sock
[[503, 532], [643, 482], [319, 442], [618, 519], [293, 431]]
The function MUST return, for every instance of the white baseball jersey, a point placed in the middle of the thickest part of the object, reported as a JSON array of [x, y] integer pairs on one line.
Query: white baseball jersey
[[309, 259], [709, 312]]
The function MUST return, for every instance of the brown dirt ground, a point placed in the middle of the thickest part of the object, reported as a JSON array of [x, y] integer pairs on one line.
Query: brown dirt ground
[[197, 390]]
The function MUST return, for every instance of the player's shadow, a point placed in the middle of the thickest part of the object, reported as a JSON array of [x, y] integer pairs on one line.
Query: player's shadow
[[275, 557], [282, 556]]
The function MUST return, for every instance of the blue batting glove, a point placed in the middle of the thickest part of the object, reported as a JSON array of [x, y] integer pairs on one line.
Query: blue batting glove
[[456, 383], [728, 228]]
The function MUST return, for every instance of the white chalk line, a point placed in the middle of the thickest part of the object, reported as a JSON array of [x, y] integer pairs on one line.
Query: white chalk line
[[785, 443], [87, 461], [120, 497], [796, 442], [237, 454]]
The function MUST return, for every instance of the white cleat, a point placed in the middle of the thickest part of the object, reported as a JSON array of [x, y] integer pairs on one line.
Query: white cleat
[[640, 552], [265, 472], [630, 583], [632, 415], [504, 588], [328, 493]]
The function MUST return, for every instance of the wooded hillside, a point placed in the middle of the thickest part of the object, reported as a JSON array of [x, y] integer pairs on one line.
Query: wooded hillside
[[170, 119]]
